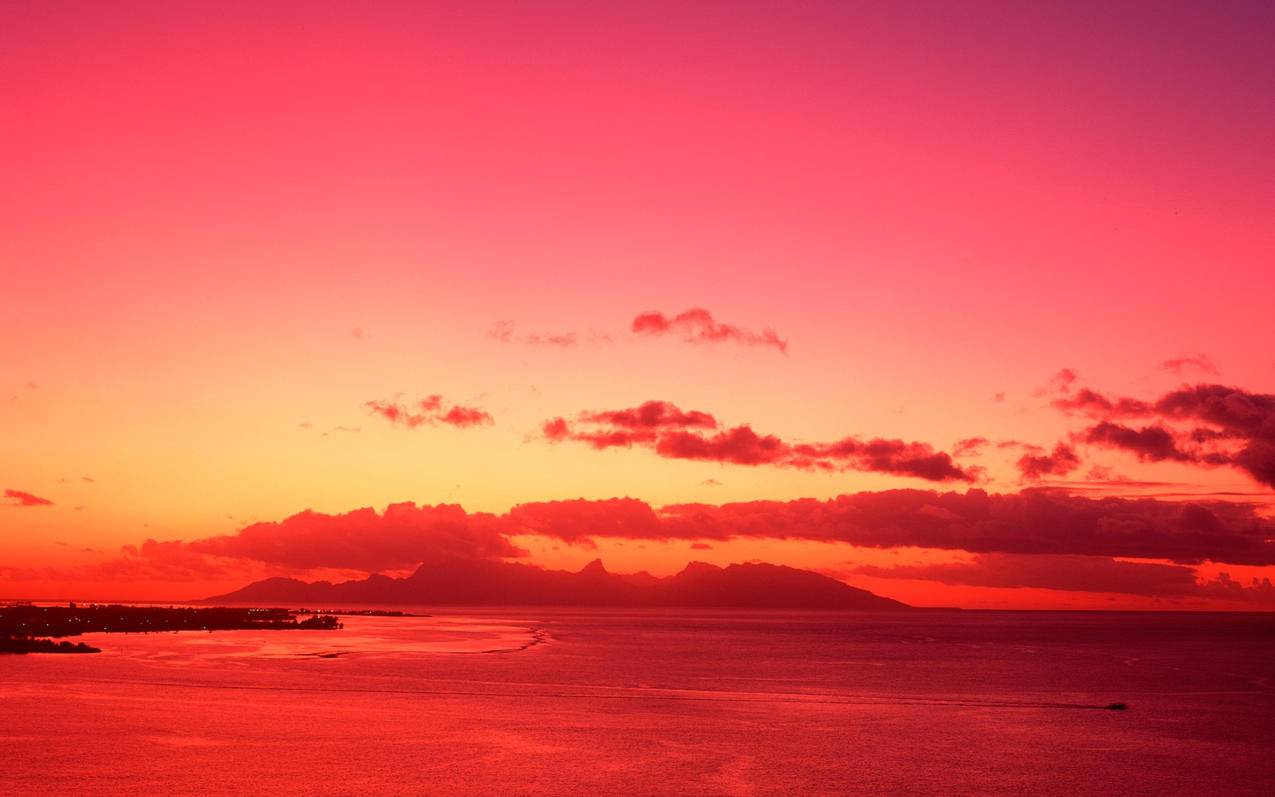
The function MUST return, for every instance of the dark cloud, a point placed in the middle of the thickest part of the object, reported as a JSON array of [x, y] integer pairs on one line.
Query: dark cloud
[[697, 325], [1031, 522], [404, 535], [1079, 574], [1227, 424], [1149, 444], [1028, 525], [1035, 465], [652, 415], [676, 434], [1089, 402]]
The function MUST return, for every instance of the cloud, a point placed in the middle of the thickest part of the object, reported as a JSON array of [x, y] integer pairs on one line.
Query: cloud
[[676, 434], [429, 411], [150, 561], [697, 325], [504, 332], [1227, 425], [555, 429], [1079, 574], [574, 519], [652, 415], [1059, 383], [1095, 404], [20, 498], [1034, 521], [969, 447], [1186, 362], [1062, 460], [404, 535], [1027, 525], [1149, 444]]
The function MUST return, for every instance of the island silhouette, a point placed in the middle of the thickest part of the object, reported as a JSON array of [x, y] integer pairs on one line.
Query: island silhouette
[[27, 628], [752, 585]]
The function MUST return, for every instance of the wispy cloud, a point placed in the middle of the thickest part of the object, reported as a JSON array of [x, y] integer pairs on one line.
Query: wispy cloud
[[429, 411]]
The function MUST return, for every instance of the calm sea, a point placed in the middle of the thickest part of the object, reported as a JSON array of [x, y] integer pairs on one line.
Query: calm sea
[[536, 701]]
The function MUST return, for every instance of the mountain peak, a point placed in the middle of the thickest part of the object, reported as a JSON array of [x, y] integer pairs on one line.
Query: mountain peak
[[699, 569]]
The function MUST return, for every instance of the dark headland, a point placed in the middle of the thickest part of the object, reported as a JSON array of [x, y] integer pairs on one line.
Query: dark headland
[[475, 582], [25, 628]]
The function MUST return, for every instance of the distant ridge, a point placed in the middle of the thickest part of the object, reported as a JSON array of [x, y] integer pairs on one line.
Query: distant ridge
[[491, 582]]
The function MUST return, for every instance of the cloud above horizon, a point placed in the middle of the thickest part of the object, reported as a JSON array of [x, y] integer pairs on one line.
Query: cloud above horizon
[[1035, 464], [505, 332], [1206, 425], [429, 411], [1198, 361], [1036, 538], [23, 498], [670, 432], [1072, 573], [697, 325], [402, 536]]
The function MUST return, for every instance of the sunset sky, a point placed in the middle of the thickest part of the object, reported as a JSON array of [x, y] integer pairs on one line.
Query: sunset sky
[[259, 260]]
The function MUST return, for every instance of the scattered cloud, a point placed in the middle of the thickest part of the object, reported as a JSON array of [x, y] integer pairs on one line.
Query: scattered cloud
[[1035, 464], [1059, 384], [429, 411], [676, 434], [697, 325], [1149, 444], [1206, 425]]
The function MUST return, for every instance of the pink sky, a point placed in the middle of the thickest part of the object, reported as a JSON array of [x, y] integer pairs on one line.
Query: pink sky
[[230, 228]]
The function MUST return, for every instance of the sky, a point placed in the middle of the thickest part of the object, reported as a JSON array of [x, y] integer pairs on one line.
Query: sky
[[966, 304]]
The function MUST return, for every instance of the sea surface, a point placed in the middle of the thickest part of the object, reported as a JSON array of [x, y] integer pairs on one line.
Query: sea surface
[[548, 702]]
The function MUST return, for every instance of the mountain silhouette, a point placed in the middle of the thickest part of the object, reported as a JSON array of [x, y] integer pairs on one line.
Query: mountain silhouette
[[491, 582]]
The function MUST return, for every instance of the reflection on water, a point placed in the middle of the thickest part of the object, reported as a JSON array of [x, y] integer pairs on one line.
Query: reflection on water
[[364, 636], [640, 702]]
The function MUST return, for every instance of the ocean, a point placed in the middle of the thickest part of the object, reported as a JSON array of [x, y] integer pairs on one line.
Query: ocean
[[542, 701]]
